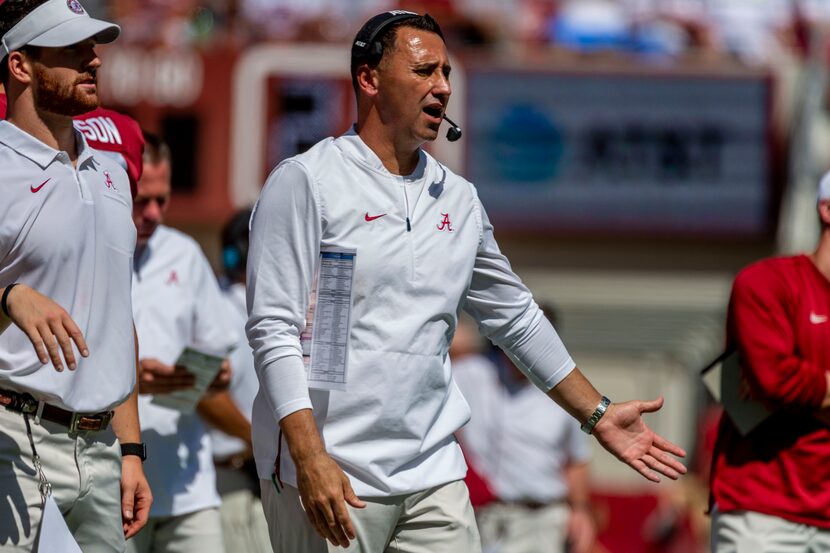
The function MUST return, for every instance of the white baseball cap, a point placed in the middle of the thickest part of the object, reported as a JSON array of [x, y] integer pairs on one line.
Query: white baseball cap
[[824, 188], [57, 23]]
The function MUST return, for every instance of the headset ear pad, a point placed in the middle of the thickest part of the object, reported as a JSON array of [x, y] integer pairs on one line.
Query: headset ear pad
[[376, 49], [231, 258]]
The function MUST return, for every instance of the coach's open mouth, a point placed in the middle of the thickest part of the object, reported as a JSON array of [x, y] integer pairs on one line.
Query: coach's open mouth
[[434, 111]]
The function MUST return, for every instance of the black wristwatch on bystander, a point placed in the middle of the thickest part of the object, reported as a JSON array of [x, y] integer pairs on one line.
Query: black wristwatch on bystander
[[138, 449]]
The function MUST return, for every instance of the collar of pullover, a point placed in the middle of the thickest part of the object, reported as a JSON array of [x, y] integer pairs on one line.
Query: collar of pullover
[[353, 146]]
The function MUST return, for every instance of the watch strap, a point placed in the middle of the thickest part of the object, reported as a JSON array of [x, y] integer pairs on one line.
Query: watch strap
[[137, 449]]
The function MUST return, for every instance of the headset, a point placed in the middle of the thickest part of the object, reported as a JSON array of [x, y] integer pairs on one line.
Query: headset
[[366, 43], [235, 244]]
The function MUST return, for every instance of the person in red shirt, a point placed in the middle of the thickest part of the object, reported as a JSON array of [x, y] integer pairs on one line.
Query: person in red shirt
[[770, 489]]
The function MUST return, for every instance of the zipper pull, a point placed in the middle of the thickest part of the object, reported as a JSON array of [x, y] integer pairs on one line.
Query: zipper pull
[[408, 226]]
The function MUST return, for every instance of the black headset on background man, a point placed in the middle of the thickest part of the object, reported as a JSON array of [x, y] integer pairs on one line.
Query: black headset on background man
[[235, 245], [367, 44]]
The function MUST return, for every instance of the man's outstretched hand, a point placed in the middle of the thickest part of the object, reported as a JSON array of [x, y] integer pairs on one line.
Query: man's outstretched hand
[[623, 432]]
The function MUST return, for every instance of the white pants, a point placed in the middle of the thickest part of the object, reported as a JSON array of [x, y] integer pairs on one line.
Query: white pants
[[197, 532], [510, 528], [437, 520], [750, 532], [85, 472], [244, 527]]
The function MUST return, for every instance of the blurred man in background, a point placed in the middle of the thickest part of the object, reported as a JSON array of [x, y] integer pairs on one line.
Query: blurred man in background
[[769, 487], [65, 244], [529, 453], [243, 522], [424, 249], [177, 304]]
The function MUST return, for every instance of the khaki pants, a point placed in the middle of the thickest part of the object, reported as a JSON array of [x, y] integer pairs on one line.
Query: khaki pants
[[244, 527], [437, 520], [510, 528], [85, 472], [197, 532], [750, 532]]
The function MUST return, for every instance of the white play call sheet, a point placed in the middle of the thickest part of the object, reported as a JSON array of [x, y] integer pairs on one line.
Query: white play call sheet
[[325, 339], [201, 364], [54, 533]]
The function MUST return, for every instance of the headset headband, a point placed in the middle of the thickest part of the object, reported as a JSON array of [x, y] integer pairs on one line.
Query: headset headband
[[373, 28]]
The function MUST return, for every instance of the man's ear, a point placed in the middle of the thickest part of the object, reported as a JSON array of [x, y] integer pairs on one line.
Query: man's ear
[[20, 67], [824, 212], [367, 80]]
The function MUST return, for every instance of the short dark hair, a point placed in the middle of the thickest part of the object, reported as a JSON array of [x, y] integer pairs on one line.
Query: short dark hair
[[11, 13], [156, 150], [386, 38]]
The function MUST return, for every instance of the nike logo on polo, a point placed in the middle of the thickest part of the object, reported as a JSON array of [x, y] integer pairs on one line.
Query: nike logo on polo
[[370, 218], [817, 319], [37, 188]]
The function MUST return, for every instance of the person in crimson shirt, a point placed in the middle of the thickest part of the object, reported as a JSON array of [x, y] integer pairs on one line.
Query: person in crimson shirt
[[769, 488]]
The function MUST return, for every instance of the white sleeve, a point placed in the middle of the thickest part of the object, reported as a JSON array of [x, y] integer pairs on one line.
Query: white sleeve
[[284, 248], [507, 315]]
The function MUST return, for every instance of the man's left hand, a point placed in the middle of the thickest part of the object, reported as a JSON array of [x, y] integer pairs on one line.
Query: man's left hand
[[582, 532], [136, 496], [623, 432]]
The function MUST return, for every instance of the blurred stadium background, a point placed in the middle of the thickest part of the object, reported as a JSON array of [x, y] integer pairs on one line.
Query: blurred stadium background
[[632, 155]]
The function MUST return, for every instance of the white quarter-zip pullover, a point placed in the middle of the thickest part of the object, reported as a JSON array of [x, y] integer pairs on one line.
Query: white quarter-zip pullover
[[177, 303], [67, 232], [425, 250]]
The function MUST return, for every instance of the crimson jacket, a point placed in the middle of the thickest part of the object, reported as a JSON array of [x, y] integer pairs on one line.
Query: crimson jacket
[[778, 320]]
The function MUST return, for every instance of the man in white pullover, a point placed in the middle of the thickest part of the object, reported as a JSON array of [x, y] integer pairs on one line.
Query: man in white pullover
[[374, 465]]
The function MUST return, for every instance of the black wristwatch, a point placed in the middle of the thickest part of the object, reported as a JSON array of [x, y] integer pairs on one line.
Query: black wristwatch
[[139, 450]]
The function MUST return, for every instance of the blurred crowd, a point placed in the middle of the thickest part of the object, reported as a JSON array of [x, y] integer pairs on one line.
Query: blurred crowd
[[749, 31]]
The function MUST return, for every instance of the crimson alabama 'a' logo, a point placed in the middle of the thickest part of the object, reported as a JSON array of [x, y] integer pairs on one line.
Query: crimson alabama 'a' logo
[[108, 180], [445, 223]]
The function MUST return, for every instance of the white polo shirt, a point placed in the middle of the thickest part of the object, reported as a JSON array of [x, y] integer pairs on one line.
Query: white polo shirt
[[518, 439], [244, 383], [177, 303], [67, 232]]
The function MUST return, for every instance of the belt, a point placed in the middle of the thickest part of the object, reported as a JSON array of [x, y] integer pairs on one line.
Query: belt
[[530, 504], [236, 461], [25, 404]]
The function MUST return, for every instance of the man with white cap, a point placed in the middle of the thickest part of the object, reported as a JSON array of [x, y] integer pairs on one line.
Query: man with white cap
[[769, 487], [66, 241]]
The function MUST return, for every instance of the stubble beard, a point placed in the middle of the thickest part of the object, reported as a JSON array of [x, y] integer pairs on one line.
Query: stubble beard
[[52, 96]]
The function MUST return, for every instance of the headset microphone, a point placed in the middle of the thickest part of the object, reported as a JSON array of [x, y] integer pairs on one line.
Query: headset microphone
[[454, 132]]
